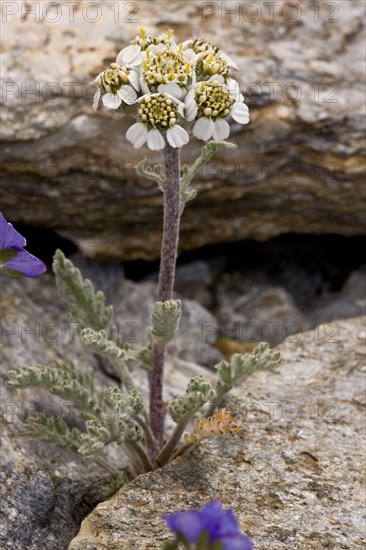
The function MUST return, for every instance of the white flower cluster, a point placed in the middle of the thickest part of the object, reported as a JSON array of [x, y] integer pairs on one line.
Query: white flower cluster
[[171, 89]]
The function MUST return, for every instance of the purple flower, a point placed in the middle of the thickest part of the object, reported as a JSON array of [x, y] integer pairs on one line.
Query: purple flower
[[221, 526], [14, 260]]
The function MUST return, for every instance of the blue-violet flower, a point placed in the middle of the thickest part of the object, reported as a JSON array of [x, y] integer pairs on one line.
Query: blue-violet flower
[[14, 260], [220, 526]]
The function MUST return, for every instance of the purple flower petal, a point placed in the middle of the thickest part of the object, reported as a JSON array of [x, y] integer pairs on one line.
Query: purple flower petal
[[9, 237], [188, 523], [220, 522], [228, 524], [25, 264], [212, 510], [211, 515], [22, 263]]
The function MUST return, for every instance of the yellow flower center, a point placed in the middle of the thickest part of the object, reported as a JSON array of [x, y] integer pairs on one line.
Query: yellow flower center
[[114, 78], [200, 45], [158, 112], [213, 100], [210, 64], [146, 40], [166, 67]]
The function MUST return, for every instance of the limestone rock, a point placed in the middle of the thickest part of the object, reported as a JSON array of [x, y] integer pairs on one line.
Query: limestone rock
[[293, 478], [299, 163], [271, 303], [350, 302], [261, 313], [194, 281], [46, 491]]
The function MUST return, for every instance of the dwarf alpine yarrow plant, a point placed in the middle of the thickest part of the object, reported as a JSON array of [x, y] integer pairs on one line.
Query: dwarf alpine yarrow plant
[[171, 90]]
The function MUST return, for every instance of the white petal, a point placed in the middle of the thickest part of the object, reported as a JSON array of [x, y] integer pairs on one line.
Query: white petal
[[173, 45], [96, 99], [222, 129], [172, 88], [191, 112], [137, 61], [191, 106], [240, 113], [187, 43], [204, 128], [128, 55], [137, 134], [134, 79], [97, 79], [217, 78], [234, 89], [230, 62], [154, 48], [127, 94], [155, 140], [120, 59], [190, 96], [177, 136], [190, 56], [111, 101], [144, 87]]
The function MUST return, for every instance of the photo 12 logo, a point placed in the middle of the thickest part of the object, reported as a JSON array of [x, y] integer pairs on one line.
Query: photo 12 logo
[[54, 12], [270, 11]]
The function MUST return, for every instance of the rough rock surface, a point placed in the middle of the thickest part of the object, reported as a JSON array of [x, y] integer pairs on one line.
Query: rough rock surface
[[46, 491], [264, 313], [350, 302], [298, 166], [294, 477], [269, 303]]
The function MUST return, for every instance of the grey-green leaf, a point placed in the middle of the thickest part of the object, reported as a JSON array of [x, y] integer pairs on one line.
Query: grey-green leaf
[[198, 392], [243, 365], [165, 320], [62, 379], [87, 305], [53, 430]]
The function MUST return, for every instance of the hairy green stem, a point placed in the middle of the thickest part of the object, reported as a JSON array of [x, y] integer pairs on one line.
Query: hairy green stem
[[135, 467], [140, 453], [104, 464], [184, 448], [171, 162], [123, 373], [150, 439], [168, 449]]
